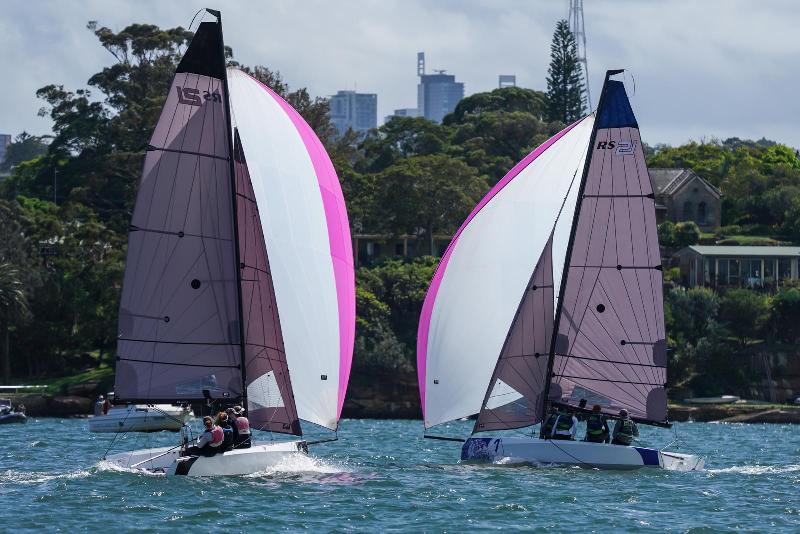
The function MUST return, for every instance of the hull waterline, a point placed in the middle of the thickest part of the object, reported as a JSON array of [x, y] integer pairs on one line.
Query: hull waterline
[[167, 460], [575, 453]]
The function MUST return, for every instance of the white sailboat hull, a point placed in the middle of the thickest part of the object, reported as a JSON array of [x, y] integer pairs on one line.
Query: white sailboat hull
[[575, 453], [259, 457], [140, 419]]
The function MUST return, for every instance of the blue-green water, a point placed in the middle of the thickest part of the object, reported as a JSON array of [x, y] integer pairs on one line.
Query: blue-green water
[[381, 475]]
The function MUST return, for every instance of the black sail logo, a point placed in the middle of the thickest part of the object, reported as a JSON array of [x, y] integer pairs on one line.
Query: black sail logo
[[191, 96]]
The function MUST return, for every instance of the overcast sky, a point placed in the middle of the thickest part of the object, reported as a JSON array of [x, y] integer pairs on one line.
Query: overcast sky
[[702, 69]]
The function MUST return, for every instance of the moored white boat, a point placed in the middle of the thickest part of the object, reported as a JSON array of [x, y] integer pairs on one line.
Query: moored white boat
[[140, 418], [532, 450]]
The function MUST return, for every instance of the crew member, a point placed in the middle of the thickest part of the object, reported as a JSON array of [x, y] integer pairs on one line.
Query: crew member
[[566, 426], [210, 442], [596, 426], [625, 429], [98, 405], [242, 429], [227, 431]]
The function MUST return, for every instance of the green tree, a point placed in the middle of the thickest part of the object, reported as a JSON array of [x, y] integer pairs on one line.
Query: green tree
[[507, 99], [494, 141], [13, 309], [785, 314], [686, 233], [24, 147], [667, 235], [401, 285], [425, 195], [745, 313], [691, 310], [564, 77], [399, 138], [376, 346]]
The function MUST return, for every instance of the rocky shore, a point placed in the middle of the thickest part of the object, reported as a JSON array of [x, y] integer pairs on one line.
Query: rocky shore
[[395, 396]]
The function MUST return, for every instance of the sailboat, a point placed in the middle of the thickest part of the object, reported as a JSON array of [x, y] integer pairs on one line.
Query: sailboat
[[550, 295], [239, 285]]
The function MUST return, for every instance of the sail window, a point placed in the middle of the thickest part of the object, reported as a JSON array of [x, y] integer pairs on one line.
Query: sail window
[[501, 395]]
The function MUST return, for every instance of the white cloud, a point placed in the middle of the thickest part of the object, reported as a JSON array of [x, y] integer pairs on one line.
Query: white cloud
[[715, 68]]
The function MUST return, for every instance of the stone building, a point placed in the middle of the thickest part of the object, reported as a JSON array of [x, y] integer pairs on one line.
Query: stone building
[[682, 195]]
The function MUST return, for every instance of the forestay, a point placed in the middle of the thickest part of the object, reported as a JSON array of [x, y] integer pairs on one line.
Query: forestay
[[307, 236], [482, 278]]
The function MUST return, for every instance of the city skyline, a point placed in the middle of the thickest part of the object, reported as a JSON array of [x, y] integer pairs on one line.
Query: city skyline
[[687, 77]]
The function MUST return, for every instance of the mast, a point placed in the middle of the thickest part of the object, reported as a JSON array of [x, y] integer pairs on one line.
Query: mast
[[568, 256], [234, 211]]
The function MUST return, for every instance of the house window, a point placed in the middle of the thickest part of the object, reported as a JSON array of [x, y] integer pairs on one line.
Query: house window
[[784, 269], [723, 272], [687, 211], [398, 249], [751, 273], [733, 272], [701, 213], [769, 271]]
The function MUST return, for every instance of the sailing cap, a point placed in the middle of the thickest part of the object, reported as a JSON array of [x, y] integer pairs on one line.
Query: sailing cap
[[623, 413], [238, 410]]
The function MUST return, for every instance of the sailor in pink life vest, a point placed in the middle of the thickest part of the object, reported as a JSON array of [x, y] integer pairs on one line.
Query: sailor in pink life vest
[[242, 437], [208, 444]]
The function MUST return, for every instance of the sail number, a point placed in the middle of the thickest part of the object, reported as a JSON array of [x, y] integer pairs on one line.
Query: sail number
[[191, 96], [623, 147]]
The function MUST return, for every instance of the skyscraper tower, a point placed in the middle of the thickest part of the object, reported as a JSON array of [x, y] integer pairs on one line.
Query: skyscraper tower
[[577, 28], [437, 94]]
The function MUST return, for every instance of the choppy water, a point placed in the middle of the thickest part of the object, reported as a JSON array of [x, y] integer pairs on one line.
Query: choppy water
[[381, 475]]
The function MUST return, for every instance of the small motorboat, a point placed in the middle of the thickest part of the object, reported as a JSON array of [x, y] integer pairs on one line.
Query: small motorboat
[[11, 415], [141, 418], [724, 399]]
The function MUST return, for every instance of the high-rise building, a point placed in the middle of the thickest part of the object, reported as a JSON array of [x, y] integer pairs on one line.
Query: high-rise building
[[403, 112], [358, 111], [506, 80], [437, 94]]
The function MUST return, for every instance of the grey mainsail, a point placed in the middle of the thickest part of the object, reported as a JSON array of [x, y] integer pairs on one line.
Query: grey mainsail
[[610, 346], [179, 319]]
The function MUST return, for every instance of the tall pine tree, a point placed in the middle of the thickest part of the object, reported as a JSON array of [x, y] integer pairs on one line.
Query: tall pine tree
[[564, 77]]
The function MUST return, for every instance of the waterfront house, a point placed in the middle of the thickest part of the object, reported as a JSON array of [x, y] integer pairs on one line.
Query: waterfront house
[[738, 266]]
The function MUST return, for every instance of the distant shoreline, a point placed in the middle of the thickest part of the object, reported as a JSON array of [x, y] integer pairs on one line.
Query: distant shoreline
[[68, 406]]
